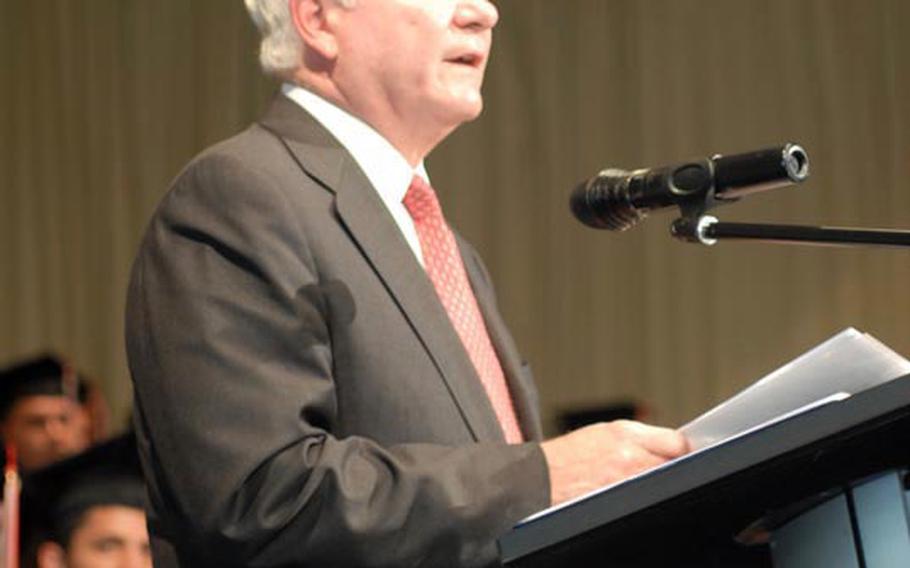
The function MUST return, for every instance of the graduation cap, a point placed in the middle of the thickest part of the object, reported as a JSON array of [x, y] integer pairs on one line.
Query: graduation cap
[[44, 375], [55, 499]]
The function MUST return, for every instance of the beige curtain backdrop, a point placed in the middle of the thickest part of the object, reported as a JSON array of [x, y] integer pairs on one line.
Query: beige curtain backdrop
[[102, 102]]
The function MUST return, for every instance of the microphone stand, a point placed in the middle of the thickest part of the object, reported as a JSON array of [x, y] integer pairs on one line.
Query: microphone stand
[[707, 230]]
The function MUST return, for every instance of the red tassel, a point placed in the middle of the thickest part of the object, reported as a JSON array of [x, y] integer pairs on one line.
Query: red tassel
[[11, 489]]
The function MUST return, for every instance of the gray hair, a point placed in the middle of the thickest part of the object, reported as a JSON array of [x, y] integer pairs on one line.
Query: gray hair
[[281, 50]]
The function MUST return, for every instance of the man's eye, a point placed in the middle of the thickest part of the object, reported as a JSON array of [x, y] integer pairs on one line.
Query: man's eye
[[35, 422], [106, 545]]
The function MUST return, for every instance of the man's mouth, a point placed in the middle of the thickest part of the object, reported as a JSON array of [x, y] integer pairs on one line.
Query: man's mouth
[[469, 59]]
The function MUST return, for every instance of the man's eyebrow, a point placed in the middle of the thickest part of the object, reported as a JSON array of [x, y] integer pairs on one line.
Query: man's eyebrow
[[111, 539]]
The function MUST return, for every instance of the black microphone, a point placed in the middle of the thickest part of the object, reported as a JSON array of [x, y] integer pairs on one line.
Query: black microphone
[[618, 199]]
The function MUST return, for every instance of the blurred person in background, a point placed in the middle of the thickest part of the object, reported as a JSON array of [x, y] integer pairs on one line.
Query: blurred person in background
[[48, 411], [87, 511]]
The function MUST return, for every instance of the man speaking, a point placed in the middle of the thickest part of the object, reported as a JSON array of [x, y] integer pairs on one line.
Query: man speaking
[[322, 376]]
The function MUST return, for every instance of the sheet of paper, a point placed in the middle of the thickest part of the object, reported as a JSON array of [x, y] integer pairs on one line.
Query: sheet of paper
[[849, 362]]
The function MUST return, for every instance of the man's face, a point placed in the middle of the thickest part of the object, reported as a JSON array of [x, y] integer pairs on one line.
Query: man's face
[[45, 429], [110, 536], [421, 61]]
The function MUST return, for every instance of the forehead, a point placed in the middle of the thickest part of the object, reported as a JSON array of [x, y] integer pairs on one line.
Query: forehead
[[41, 404], [403, 10], [115, 519]]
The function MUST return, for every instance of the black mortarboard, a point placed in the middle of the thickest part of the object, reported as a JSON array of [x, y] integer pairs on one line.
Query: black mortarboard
[[55, 498], [44, 375]]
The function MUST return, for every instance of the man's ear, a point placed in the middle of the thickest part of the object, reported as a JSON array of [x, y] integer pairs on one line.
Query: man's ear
[[51, 555], [313, 21]]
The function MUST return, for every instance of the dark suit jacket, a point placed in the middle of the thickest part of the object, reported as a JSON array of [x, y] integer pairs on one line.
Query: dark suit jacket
[[301, 397]]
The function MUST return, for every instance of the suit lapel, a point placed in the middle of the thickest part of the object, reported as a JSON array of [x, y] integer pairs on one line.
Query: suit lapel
[[374, 231], [519, 387]]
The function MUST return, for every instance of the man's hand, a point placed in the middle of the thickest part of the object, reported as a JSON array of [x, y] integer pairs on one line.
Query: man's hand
[[605, 453]]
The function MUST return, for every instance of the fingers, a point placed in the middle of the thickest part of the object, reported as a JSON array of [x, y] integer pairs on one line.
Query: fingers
[[663, 442], [640, 460]]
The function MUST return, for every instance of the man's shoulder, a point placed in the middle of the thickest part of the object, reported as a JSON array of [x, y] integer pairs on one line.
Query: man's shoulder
[[250, 178], [245, 193], [252, 149], [255, 158]]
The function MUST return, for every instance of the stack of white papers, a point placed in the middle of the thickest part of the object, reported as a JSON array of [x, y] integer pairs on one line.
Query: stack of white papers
[[848, 363]]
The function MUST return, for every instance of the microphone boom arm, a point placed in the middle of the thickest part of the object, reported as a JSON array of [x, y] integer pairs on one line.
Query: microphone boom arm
[[747, 171], [707, 230]]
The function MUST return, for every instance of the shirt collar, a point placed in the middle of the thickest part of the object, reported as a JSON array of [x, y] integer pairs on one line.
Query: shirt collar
[[388, 171]]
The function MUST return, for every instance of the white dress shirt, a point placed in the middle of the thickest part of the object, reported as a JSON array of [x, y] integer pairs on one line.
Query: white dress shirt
[[388, 171]]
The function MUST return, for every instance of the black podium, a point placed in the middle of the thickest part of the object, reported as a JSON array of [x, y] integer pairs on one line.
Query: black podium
[[824, 488]]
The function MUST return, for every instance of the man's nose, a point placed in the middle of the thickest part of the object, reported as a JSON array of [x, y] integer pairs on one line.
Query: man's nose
[[480, 15], [57, 430], [135, 558]]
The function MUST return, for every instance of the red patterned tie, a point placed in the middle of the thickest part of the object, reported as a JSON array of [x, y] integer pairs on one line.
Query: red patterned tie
[[446, 270]]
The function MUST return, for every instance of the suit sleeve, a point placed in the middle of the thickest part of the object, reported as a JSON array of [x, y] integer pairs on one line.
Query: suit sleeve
[[241, 471]]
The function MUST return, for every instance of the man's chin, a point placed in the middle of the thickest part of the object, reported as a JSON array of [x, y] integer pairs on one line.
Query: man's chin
[[464, 110]]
